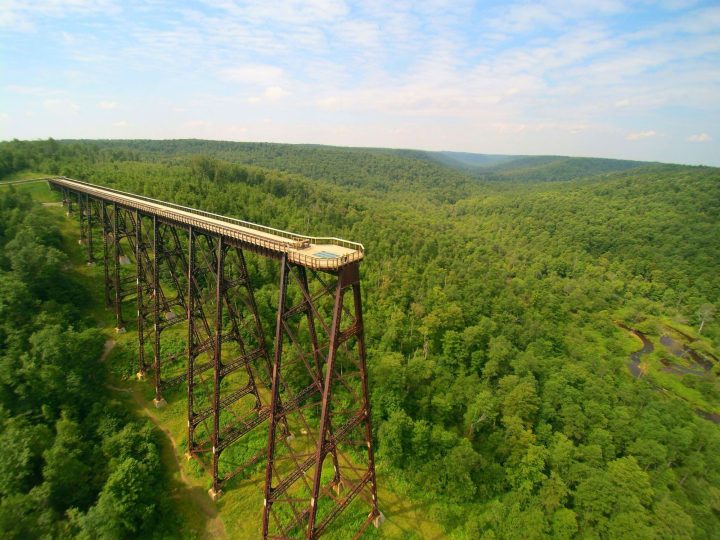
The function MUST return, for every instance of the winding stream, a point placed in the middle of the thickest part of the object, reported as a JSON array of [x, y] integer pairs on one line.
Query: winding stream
[[681, 350], [635, 358], [634, 367]]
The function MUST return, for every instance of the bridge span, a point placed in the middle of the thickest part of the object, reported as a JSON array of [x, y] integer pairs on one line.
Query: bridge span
[[300, 409], [311, 252]]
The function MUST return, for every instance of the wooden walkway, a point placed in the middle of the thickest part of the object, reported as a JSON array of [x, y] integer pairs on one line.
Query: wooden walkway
[[308, 251]]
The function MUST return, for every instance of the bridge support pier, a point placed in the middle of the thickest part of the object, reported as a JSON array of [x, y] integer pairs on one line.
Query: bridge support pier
[[225, 336], [290, 470], [90, 222]]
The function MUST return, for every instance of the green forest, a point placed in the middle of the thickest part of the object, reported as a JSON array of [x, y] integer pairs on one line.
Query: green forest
[[500, 296]]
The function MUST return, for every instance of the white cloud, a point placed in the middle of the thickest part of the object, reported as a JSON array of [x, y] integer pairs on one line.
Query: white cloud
[[61, 106], [442, 72], [271, 93], [699, 21], [120, 124], [23, 15], [193, 124], [532, 16], [32, 90], [637, 135], [292, 12], [260, 74], [366, 34], [274, 93], [677, 4]]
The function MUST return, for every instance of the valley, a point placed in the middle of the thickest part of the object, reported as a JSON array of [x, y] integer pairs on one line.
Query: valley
[[509, 396]]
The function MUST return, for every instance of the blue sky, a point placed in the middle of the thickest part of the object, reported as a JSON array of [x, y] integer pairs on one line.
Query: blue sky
[[611, 78]]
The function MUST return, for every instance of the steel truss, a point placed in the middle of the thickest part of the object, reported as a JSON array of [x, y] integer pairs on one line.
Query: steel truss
[[323, 373], [317, 446]]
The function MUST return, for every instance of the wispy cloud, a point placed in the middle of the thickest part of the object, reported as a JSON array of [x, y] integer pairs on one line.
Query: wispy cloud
[[39, 91], [553, 76], [271, 93], [61, 106], [700, 137], [23, 15], [260, 74], [637, 135]]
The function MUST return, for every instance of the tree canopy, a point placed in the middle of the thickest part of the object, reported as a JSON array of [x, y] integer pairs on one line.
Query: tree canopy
[[499, 379]]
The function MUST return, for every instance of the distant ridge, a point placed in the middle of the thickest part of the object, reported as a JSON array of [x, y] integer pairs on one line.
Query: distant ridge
[[468, 159], [532, 168], [346, 165]]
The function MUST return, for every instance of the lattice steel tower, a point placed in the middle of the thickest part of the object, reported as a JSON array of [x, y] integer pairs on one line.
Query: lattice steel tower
[[301, 406]]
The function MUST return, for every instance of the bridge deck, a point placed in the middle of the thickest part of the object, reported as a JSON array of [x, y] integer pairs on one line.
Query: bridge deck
[[308, 251]]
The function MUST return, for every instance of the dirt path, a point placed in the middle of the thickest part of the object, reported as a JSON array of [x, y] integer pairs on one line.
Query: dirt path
[[28, 181], [214, 527], [109, 344]]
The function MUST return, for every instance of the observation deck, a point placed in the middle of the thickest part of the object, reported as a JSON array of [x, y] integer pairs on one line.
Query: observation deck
[[318, 253]]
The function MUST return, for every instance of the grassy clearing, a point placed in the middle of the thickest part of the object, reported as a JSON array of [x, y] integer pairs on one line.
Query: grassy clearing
[[22, 175], [40, 191], [701, 392]]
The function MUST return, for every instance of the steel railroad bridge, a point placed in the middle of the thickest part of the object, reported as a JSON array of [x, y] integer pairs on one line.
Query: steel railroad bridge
[[304, 409]]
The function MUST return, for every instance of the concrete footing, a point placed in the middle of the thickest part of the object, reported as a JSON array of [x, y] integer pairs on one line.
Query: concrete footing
[[140, 375], [91, 263], [120, 330], [379, 520], [159, 403], [290, 437], [338, 488], [214, 495], [124, 260]]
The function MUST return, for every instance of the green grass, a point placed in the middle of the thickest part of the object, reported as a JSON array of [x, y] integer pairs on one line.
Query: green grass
[[676, 385], [40, 191], [22, 175]]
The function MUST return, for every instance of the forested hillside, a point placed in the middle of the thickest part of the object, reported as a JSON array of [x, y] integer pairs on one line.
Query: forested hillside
[[74, 463], [501, 393]]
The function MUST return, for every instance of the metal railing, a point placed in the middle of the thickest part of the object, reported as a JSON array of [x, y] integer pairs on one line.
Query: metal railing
[[284, 241]]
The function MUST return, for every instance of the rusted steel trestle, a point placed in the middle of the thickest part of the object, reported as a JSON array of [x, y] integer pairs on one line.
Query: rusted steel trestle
[[306, 412]]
